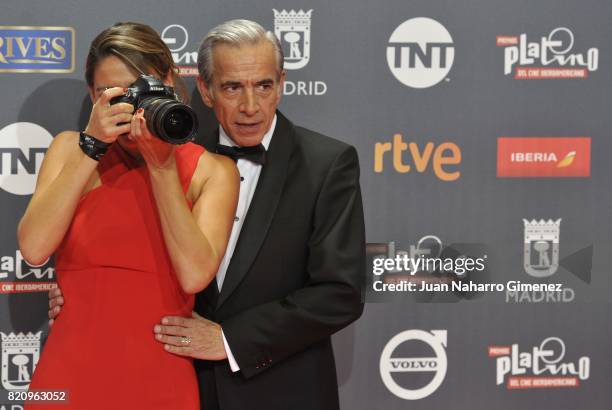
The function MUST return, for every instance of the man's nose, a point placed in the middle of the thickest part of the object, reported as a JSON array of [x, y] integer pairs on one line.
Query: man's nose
[[249, 104]]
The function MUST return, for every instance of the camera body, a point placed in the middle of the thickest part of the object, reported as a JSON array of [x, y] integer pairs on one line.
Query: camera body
[[167, 117], [145, 86]]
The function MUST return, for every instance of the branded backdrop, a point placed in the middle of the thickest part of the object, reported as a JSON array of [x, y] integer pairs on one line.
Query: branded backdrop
[[481, 125]]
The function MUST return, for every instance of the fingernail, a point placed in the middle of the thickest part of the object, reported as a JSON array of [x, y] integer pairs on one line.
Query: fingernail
[[166, 347], [140, 110], [164, 321], [157, 329], [158, 336]]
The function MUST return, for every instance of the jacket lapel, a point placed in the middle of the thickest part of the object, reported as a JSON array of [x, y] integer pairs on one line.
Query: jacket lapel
[[262, 208]]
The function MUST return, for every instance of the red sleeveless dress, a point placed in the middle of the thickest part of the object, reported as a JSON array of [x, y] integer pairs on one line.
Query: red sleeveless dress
[[118, 282]]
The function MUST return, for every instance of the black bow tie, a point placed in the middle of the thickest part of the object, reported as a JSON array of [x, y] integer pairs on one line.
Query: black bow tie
[[256, 154]]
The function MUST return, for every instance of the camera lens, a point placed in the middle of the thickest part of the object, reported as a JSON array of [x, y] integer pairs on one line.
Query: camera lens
[[177, 123], [170, 120]]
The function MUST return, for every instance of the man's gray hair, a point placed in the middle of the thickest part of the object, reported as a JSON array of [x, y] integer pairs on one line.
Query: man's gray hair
[[235, 32]]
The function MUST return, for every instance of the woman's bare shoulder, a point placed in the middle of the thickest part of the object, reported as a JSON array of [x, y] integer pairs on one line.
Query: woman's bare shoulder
[[213, 169], [63, 146], [65, 140], [66, 136]]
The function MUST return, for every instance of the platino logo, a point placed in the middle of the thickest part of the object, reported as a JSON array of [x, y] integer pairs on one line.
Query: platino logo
[[544, 363], [420, 52], [548, 58], [23, 277], [435, 340], [176, 38]]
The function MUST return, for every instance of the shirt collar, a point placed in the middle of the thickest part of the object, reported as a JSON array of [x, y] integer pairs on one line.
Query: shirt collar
[[224, 139]]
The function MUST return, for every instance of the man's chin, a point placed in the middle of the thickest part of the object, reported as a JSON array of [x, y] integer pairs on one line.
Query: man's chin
[[248, 139], [248, 136]]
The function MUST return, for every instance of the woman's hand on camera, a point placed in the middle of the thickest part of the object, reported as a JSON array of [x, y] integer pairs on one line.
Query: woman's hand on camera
[[105, 118], [156, 152]]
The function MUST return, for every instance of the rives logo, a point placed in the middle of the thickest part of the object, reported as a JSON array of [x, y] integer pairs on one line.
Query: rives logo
[[36, 49]]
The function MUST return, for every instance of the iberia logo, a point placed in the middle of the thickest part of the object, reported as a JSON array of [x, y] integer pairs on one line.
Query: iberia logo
[[543, 157]]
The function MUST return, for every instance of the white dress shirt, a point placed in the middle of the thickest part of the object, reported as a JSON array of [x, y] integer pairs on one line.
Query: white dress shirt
[[249, 175]]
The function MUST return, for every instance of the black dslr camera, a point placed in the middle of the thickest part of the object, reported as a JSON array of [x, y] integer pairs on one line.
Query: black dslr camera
[[167, 118]]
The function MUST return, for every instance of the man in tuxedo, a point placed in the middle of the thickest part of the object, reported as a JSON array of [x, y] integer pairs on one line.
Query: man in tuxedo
[[294, 266]]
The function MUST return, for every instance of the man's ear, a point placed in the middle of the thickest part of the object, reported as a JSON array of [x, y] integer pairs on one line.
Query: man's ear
[[205, 92]]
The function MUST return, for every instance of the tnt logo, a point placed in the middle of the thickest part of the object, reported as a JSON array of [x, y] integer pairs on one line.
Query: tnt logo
[[22, 148], [420, 52]]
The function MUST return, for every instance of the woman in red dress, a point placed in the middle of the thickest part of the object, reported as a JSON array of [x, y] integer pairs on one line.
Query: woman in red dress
[[137, 229]]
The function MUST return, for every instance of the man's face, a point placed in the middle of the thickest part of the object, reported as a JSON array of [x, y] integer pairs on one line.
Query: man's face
[[244, 91]]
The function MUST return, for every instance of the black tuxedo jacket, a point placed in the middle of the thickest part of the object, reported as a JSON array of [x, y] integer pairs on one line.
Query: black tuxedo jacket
[[294, 279]]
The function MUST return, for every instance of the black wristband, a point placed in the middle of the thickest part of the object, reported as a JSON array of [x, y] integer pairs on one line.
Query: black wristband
[[93, 148]]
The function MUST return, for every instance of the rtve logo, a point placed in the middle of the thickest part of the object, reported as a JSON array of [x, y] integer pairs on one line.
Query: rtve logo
[[443, 157], [22, 148], [420, 52]]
